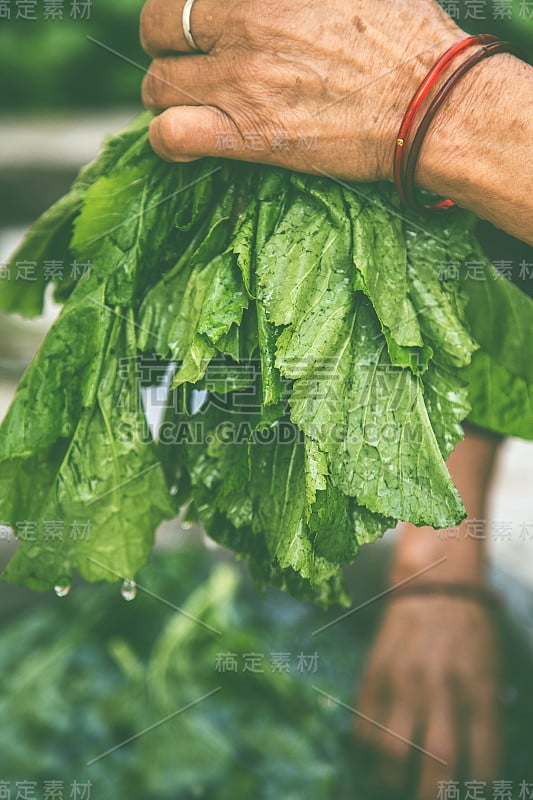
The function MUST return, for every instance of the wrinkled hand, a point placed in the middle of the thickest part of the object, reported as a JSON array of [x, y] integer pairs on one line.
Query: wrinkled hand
[[308, 85], [432, 679]]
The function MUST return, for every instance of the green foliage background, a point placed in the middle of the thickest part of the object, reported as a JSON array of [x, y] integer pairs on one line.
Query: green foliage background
[[82, 675], [51, 64]]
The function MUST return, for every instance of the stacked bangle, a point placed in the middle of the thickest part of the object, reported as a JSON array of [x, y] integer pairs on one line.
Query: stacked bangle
[[467, 591], [408, 146]]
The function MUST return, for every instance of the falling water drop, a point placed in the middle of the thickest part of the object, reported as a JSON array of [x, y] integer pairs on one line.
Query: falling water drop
[[129, 590], [186, 525], [173, 491], [62, 587]]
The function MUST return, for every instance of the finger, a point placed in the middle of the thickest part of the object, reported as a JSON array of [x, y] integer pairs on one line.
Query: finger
[[484, 737], [181, 81], [372, 705], [186, 133], [439, 760], [161, 29], [397, 746], [485, 752]]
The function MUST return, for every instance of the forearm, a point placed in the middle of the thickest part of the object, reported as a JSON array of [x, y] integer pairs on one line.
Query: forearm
[[479, 150], [462, 552], [423, 555]]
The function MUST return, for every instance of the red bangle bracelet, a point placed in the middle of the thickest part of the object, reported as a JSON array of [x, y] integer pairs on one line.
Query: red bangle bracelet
[[402, 141], [418, 140], [407, 152]]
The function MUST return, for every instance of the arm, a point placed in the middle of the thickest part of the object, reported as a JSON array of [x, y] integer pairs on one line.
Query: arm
[[480, 149], [278, 73], [432, 674], [471, 466]]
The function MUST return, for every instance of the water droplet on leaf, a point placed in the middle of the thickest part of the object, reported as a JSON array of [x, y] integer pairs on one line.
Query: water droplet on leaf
[[186, 525], [129, 590], [173, 491], [62, 587]]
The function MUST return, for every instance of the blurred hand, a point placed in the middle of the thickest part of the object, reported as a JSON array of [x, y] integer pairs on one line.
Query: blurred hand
[[302, 84], [432, 679]]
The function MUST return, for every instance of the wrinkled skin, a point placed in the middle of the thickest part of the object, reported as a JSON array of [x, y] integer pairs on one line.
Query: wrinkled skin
[[287, 82], [322, 88]]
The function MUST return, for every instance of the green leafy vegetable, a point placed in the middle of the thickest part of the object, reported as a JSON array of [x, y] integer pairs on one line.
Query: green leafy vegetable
[[339, 363]]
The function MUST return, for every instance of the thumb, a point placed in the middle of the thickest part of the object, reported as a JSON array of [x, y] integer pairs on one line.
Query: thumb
[[185, 133]]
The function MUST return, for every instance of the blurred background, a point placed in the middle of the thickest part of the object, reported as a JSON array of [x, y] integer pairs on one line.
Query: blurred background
[[83, 678]]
